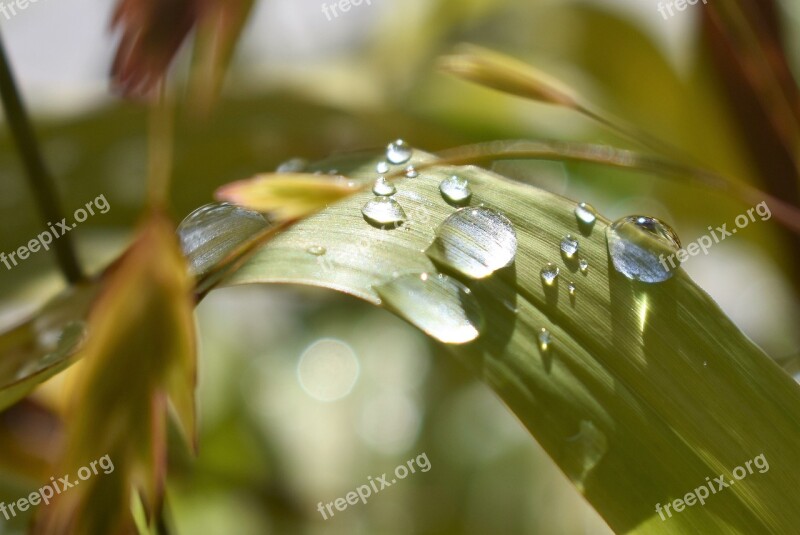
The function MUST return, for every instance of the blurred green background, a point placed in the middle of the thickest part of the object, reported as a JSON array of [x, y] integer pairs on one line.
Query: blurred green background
[[285, 425]]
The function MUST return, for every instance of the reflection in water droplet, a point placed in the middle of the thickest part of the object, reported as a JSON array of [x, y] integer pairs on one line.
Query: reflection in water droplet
[[437, 304], [549, 274], [569, 246], [544, 339], [398, 152], [383, 187], [211, 232], [638, 246], [585, 213], [475, 242], [383, 211], [382, 168], [295, 165], [316, 250], [583, 265], [455, 190], [411, 172]]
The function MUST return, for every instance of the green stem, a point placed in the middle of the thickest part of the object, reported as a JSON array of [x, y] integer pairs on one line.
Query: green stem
[[40, 180]]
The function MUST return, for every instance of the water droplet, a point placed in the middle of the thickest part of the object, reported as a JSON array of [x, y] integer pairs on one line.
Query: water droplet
[[475, 242], [383, 211], [437, 304], [571, 288], [411, 172], [705, 364], [383, 187], [398, 152], [585, 213], [333, 171], [569, 246], [316, 250], [455, 190], [549, 274], [544, 339], [211, 232], [295, 165], [584, 266], [382, 168], [638, 246]]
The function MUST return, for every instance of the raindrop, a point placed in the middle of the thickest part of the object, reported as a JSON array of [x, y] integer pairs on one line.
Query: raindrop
[[571, 288], [295, 165], [383, 187], [544, 339], [411, 172], [475, 242], [383, 211], [586, 214], [584, 266], [316, 250], [439, 305], [382, 168], [455, 190], [549, 274], [211, 232], [398, 152], [569, 246], [638, 246]]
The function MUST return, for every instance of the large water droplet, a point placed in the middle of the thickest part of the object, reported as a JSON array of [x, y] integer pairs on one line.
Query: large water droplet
[[549, 274], [439, 305], [383, 187], [475, 242], [569, 246], [638, 246], [210, 233], [398, 152], [383, 211], [455, 190], [585, 213], [382, 168]]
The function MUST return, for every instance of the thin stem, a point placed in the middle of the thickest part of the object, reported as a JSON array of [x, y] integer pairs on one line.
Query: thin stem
[[160, 150], [39, 178]]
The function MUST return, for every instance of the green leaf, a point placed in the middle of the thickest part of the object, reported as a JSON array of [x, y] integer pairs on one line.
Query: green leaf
[[643, 391], [45, 345]]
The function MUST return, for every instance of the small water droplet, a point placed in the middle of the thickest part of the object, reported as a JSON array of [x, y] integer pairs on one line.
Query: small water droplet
[[705, 364], [411, 172], [439, 305], [455, 190], [569, 246], [398, 152], [638, 246], [295, 165], [333, 171], [585, 213], [544, 339], [382, 168], [383, 211], [383, 187], [316, 250], [583, 265], [475, 242], [571, 288], [549, 274]]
